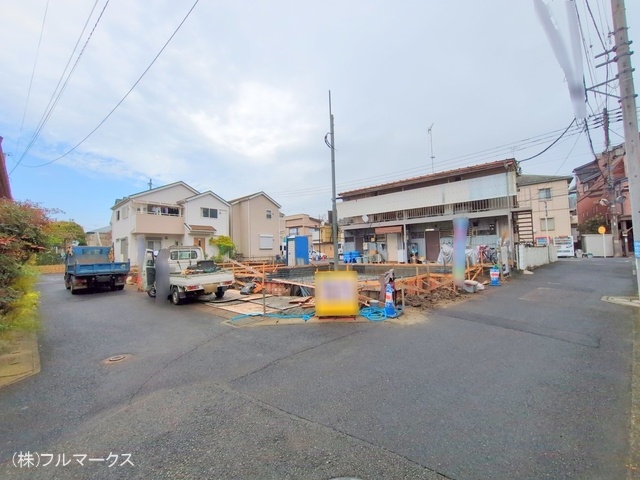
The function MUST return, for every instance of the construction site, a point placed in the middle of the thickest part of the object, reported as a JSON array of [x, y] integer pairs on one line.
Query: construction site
[[270, 293]]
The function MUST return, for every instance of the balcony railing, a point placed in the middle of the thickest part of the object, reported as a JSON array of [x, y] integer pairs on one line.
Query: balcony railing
[[435, 211]]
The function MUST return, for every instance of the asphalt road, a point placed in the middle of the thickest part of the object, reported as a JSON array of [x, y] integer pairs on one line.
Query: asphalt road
[[531, 379]]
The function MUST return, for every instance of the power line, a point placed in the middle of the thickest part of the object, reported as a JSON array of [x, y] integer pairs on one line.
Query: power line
[[52, 103], [595, 25], [127, 94], [576, 131], [551, 145], [33, 71]]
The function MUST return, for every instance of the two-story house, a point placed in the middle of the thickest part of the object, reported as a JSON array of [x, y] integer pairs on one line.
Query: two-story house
[[256, 226], [174, 214], [392, 221], [548, 198]]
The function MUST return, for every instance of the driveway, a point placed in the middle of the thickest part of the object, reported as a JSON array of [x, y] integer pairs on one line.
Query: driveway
[[531, 379]]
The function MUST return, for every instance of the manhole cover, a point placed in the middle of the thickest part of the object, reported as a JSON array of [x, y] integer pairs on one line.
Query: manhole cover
[[116, 359]]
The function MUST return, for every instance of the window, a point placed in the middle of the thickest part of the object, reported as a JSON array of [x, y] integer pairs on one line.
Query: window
[[544, 194], [125, 212], [269, 213], [117, 215], [184, 255], [154, 244], [209, 212], [266, 242], [293, 231], [547, 224]]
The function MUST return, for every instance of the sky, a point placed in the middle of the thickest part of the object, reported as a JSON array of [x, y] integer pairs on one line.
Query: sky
[[98, 99]]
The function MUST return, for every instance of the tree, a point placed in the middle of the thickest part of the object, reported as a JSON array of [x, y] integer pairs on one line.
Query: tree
[[61, 233], [592, 225], [225, 245], [22, 234]]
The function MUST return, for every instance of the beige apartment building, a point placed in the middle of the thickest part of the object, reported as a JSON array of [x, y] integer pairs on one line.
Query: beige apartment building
[[548, 198]]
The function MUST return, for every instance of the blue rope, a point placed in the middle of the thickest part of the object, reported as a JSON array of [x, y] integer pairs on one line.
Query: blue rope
[[374, 314], [304, 317]]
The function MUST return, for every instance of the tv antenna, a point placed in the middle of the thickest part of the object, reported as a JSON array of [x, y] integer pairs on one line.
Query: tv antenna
[[431, 145]]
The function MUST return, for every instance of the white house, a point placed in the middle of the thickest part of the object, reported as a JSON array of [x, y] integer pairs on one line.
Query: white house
[[174, 214]]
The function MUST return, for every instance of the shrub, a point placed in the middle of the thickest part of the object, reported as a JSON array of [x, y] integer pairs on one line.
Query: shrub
[[22, 235]]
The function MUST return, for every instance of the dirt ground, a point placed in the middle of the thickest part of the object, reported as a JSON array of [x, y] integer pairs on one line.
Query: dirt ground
[[438, 298], [441, 297]]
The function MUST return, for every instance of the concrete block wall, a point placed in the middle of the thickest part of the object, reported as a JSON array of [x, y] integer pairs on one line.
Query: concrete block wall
[[531, 257]]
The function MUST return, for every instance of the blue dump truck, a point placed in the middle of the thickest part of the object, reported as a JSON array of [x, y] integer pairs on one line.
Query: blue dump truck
[[92, 267]]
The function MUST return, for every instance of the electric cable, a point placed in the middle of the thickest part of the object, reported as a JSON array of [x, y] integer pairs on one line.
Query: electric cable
[[551, 145], [33, 71], [126, 95], [53, 101]]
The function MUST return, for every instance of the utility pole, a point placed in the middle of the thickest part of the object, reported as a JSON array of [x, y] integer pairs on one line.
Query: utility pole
[[334, 222], [612, 206], [630, 121]]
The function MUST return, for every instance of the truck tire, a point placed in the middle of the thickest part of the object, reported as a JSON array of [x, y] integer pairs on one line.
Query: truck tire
[[175, 296], [152, 292], [120, 287], [220, 293], [73, 290], [66, 282]]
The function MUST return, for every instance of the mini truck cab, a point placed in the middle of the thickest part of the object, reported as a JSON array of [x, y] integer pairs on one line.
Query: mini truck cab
[[181, 272]]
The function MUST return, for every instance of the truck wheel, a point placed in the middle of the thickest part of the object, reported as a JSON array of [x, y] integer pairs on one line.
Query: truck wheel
[[120, 287], [220, 293], [152, 292], [73, 290], [175, 296], [66, 283]]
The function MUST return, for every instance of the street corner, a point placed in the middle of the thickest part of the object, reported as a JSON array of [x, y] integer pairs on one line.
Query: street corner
[[21, 359]]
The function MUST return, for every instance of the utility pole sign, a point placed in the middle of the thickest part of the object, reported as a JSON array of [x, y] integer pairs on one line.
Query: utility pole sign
[[602, 230]]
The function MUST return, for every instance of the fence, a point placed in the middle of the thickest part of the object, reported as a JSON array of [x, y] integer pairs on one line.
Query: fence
[[531, 257]]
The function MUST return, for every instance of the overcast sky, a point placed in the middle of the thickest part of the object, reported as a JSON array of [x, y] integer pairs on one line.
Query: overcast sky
[[238, 100]]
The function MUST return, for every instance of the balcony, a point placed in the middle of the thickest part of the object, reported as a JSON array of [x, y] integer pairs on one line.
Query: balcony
[[158, 224], [433, 212]]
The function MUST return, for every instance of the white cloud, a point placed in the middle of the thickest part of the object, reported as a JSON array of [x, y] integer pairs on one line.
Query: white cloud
[[238, 100], [259, 122]]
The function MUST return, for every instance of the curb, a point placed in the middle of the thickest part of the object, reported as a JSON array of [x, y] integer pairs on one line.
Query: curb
[[22, 361]]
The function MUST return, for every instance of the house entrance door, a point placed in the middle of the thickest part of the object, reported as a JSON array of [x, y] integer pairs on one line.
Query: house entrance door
[[199, 242], [392, 247], [433, 245]]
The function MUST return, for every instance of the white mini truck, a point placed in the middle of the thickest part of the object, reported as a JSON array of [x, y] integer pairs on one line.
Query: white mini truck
[[181, 272]]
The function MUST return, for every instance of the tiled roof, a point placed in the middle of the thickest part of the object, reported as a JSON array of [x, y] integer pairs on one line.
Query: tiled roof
[[433, 176], [536, 179]]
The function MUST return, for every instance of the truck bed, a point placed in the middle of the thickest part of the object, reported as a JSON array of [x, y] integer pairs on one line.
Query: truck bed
[[79, 270], [221, 277]]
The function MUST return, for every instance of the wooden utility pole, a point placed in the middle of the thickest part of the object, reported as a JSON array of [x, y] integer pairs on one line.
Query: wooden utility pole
[[630, 121]]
